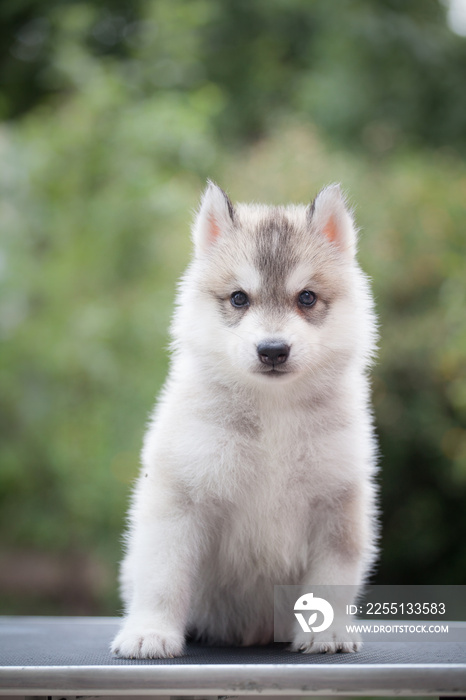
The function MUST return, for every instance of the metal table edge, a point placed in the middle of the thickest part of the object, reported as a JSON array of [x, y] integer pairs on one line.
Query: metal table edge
[[241, 679]]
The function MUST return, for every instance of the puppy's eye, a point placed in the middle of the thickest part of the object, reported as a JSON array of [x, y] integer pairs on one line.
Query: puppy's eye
[[239, 299], [307, 298]]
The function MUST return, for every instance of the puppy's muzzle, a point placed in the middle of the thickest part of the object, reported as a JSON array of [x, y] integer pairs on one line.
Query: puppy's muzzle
[[273, 352]]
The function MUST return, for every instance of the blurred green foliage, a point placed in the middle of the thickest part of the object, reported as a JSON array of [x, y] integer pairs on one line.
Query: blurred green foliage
[[114, 114], [370, 74]]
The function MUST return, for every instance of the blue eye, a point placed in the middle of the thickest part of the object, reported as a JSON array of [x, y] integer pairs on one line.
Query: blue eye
[[307, 298], [239, 299]]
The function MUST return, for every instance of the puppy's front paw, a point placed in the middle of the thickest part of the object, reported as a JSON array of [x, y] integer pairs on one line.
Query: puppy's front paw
[[147, 642], [339, 640]]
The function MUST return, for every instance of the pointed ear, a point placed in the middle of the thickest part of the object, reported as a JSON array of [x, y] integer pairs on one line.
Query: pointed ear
[[216, 215], [330, 216]]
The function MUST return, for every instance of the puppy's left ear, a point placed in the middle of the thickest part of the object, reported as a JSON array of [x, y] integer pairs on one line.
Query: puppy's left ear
[[215, 216], [329, 215]]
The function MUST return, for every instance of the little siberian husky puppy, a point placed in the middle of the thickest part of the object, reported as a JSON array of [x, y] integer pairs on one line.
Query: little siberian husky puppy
[[258, 464]]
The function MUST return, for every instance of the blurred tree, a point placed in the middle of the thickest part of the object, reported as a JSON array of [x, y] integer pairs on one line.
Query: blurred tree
[[29, 31], [371, 74]]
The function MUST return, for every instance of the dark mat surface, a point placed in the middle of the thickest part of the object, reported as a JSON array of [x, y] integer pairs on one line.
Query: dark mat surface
[[80, 641]]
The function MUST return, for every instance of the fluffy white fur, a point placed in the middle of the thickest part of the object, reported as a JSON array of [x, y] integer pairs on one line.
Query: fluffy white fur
[[251, 479]]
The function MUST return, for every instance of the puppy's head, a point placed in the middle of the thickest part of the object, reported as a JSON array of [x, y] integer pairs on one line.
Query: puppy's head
[[273, 294]]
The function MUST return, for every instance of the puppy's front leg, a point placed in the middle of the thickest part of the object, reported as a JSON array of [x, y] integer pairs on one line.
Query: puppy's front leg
[[160, 567], [345, 549]]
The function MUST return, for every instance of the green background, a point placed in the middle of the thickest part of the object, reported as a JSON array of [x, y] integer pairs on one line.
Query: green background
[[113, 114]]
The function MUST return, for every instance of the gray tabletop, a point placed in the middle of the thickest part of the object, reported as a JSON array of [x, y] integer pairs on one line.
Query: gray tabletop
[[70, 656]]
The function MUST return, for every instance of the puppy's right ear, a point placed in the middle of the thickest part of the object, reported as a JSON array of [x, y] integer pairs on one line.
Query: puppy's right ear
[[216, 215]]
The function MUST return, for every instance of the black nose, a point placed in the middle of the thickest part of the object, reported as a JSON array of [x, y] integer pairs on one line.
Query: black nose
[[273, 352]]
